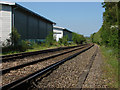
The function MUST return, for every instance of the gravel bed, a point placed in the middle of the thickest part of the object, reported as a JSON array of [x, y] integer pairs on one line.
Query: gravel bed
[[95, 77], [16, 74], [31, 58], [67, 75]]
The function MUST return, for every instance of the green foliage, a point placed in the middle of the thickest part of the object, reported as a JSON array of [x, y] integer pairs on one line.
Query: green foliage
[[110, 66], [87, 39], [92, 37], [108, 34], [13, 40], [77, 38], [23, 46], [63, 40], [113, 39], [50, 40], [96, 37], [14, 37], [14, 43]]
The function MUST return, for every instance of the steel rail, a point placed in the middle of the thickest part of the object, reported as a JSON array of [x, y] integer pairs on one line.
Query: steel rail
[[36, 61], [86, 71], [17, 83], [6, 58]]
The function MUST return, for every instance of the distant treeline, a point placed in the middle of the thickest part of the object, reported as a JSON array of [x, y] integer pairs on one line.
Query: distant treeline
[[108, 33]]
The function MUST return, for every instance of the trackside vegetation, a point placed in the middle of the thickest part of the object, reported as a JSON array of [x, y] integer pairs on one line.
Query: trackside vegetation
[[110, 66], [78, 39], [108, 39], [64, 40], [15, 45], [50, 40], [108, 33]]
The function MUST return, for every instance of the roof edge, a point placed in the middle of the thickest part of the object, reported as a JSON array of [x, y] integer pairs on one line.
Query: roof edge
[[62, 28], [7, 3], [22, 7], [58, 27]]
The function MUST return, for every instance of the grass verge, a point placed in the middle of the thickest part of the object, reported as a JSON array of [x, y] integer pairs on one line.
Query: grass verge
[[110, 66], [37, 48]]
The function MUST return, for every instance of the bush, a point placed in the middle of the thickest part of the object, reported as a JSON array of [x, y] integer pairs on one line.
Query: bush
[[23, 46], [14, 37], [50, 40], [63, 40], [78, 39], [7, 49], [14, 43]]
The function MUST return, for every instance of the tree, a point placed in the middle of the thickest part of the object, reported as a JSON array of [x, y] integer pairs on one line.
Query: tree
[[50, 40], [108, 34], [14, 37], [92, 37], [78, 39], [63, 40]]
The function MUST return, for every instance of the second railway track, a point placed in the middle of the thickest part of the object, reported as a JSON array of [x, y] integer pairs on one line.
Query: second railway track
[[6, 58], [22, 63], [14, 75], [12, 60]]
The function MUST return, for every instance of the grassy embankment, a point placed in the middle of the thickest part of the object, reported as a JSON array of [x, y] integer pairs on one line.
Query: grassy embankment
[[37, 48], [110, 66]]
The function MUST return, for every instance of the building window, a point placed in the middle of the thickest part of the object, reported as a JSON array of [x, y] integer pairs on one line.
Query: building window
[[57, 32]]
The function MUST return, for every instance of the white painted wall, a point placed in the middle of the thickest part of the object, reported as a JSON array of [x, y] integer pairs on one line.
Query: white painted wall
[[0, 24], [5, 22], [58, 33]]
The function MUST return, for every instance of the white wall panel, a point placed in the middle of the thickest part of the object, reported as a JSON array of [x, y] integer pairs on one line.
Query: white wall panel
[[0, 23], [58, 34], [6, 22]]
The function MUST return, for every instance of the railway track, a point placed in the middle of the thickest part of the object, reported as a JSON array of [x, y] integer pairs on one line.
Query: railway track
[[52, 62], [86, 71], [12, 60], [3, 71], [6, 58]]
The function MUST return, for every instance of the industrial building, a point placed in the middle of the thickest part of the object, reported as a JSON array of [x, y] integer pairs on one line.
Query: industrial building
[[59, 32], [30, 26]]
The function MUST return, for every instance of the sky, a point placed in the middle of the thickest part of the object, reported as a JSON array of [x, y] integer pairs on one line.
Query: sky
[[81, 17]]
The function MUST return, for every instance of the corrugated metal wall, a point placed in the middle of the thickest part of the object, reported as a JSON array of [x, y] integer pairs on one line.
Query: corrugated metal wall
[[69, 34], [31, 27], [49, 28], [43, 31], [20, 21]]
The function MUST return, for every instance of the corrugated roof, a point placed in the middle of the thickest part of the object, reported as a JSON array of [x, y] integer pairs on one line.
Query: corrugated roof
[[17, 5], [7, 3], [62, 28], [58, 27]]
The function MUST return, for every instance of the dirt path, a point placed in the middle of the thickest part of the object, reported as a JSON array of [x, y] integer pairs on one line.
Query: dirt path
[[95, 77]]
